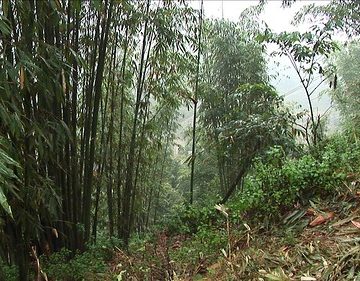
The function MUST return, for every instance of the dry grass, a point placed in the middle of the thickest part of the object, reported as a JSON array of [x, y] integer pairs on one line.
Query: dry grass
[[296, 249], [329, 251]]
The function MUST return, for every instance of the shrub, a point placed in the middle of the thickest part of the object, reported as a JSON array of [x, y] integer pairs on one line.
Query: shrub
[[65, 265], [277, 182], [188, 219], [8, 272]]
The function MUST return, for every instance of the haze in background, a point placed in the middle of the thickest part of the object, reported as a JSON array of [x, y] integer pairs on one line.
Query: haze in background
[[285, 79]]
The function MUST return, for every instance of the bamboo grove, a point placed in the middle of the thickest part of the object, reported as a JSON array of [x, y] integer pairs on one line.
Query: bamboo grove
[[89, 92]]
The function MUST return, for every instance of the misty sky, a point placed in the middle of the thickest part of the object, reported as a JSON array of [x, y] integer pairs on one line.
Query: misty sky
[[278, 19]]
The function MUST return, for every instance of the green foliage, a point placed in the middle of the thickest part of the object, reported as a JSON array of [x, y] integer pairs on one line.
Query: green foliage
[[347, 89], [306, 53], [8, 272], [240, 113], [258, 120], [339, 15], [89, 96], [304, 47], [57, 266], [207, 242], [70, 75], [277, 182], [211, 238], [7, 176], [65, 265], [188, 219], [206, 177], [169, 199], [342, 153]]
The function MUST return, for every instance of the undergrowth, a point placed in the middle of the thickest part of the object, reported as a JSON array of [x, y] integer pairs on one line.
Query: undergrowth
[[92, 264], [263, 232]]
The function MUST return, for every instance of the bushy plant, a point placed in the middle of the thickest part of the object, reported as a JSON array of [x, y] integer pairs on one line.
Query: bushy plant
[[65, 265], [277, 181], [57, 266], [211, 238], [207, 242], [8, 272], [188, 219]]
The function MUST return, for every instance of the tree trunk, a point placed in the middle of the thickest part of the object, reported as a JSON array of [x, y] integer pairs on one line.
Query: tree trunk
[[195, 101], [128, 188], [97, 95]]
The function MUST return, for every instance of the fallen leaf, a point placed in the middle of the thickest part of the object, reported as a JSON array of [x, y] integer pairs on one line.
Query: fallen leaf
[[273, 277], [325, 263], [22, 78], [222, 209], [310, 211], [351, 176], [55, 232], [356, 223], [308, 279], [343, 221], [354, 183], [320, 219], [330, 215], [311, 248], [63, 81]]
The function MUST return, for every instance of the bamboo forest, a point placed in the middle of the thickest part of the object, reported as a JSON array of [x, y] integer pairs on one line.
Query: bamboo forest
[[179, 140]]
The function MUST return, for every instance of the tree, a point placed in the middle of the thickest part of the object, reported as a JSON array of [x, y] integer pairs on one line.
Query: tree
[[235, 85], [195, 105], [166, 32], [35, 122], [228, 62], [67, 66], [346, 91], [307, 53], [340, 15], [257, 121]]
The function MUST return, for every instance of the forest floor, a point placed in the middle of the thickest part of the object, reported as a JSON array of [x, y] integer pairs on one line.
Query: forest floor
[[320, 241]]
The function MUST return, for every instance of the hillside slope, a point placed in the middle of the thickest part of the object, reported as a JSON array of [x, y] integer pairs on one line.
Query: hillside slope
[[320, 241]]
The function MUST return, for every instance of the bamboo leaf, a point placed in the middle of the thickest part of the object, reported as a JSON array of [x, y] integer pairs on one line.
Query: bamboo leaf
[[4, 26], [4, 204]]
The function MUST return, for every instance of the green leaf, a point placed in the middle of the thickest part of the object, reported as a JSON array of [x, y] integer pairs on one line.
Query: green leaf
[[4, 204], [4, 27]]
